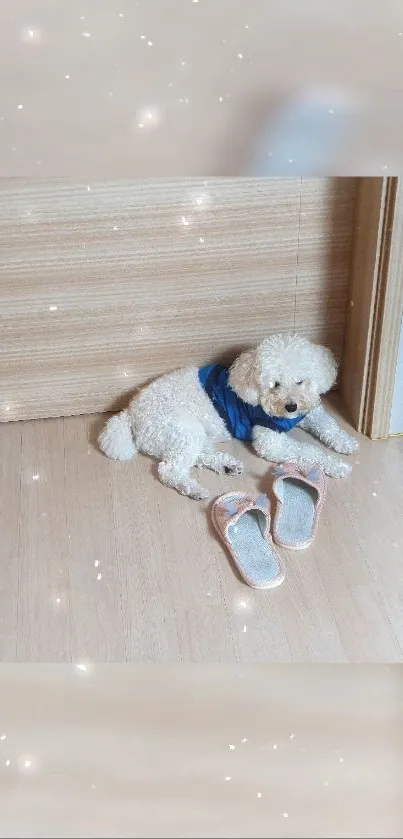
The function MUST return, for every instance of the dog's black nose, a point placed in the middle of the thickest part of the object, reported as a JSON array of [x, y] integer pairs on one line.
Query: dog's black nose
[[291, 407]]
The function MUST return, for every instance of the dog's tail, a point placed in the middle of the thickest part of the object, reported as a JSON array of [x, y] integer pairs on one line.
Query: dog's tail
[[116, 438]]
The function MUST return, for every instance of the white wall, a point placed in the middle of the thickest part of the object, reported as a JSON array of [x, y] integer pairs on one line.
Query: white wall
[[396, 420]]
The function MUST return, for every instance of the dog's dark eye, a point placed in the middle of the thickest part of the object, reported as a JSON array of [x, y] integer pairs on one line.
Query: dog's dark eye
[[301, 382], [276, 384]]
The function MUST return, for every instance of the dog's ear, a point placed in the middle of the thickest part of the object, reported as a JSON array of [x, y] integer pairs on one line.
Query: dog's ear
[[243, 377], [325, 368]]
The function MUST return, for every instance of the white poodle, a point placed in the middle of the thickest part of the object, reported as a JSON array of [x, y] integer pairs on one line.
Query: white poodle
[[180, 417]]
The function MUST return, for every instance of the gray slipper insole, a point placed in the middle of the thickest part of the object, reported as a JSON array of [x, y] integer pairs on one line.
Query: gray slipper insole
[[254, 554], [296, 521]]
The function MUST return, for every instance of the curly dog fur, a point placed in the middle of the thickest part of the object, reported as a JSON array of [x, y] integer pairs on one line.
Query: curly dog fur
[[174, 420]]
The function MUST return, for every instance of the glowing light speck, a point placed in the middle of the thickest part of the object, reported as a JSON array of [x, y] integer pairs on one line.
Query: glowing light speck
[[58, 600], [81, 667], [8, 762], [183, 63], [86, 34], [26, 763], [20, 107], [53, 308], [96, 563], [231, 747], [341, 759], [243, 604], [244, 740], [185, 221], [330, 111], [149, 43], [228, 777], [148, 117], [258, 795], [275, 746], [245, 628], [67, 76], [99, 576], [240, 56], [285, 815], [31, 35], [35, 477], [3, 737], [201, 240], [221, 99], [292, 736]]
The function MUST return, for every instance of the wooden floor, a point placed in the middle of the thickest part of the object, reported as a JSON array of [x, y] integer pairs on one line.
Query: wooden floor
[[99, 562]]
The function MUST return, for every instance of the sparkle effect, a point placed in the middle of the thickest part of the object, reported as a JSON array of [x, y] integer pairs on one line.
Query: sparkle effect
[[148, 117]]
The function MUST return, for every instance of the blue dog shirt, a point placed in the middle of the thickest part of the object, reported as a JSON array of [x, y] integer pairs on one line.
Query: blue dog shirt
[[239, 417]]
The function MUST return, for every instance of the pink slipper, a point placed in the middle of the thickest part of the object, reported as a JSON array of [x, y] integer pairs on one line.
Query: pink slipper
[[244, 525], [300, 494]]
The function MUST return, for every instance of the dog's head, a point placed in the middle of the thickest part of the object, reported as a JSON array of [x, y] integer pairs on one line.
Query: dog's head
[[285, 374]]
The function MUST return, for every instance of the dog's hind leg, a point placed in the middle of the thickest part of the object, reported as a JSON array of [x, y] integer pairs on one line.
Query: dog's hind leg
[[182, 453]]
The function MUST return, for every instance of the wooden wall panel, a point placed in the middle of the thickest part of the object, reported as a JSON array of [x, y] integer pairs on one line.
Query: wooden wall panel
[[106, 284]]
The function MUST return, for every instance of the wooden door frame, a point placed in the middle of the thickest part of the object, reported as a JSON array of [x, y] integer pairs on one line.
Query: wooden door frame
[[375, 306]]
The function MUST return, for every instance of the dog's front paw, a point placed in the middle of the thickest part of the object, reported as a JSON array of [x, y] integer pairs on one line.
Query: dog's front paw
[[337, 469], [234, 467], [344, 444]]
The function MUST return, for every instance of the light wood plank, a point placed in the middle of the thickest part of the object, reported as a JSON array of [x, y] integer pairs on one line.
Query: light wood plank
[[101, 290], [368, 234], [10, 535], [43, 567], [168, 592], [387, 319]]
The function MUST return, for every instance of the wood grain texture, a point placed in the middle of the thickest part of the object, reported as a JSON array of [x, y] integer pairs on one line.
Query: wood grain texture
[[106, 284], [387, 319], [100, 562], [366, 255]]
